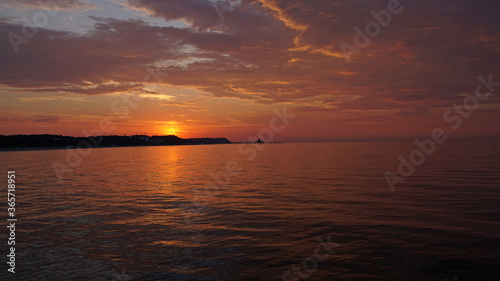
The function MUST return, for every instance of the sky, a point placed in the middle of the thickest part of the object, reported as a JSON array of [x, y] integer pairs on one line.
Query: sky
[[345, 70]]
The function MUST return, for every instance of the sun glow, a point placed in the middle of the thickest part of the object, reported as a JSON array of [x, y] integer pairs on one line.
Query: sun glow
[[169, 130]]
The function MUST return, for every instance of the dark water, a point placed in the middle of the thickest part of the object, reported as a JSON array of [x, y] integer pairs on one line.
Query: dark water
[[143, 213]]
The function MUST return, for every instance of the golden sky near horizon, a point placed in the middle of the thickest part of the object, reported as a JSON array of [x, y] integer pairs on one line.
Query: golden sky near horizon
[[204, 68]]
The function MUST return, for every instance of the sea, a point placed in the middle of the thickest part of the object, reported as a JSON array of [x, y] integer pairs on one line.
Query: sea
[[292, 211]]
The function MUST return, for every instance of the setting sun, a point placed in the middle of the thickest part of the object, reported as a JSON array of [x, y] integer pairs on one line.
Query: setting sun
[[169, 130]]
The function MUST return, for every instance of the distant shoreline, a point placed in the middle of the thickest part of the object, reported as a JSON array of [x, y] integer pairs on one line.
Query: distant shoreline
[[56, 142]]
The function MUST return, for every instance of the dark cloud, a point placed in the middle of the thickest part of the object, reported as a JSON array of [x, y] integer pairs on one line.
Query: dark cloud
[[46, 119], [39, 119], [50, 4], [271, 51]]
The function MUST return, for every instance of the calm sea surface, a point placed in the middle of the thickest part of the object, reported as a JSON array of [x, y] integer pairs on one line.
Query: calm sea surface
[[325, 209]]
